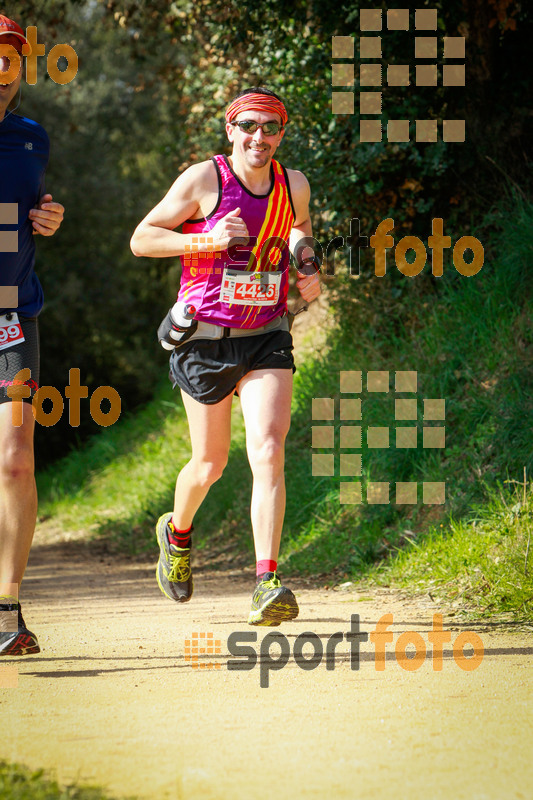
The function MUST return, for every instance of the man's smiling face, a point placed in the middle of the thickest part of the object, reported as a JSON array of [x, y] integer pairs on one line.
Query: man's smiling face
[[255, 149]]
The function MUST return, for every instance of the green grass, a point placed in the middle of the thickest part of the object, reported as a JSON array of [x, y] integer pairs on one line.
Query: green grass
[[20, 783], [470, 340], [482, 566]]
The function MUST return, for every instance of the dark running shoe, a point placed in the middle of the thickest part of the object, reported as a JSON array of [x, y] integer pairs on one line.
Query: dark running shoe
[[272, 603], [173, 570], [15, 638]]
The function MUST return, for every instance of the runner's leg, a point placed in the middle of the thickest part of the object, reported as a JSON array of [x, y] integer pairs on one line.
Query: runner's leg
[[18, 494], [265, 396], [210, 430]]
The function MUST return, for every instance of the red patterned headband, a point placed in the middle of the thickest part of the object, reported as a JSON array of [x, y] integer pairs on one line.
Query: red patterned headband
[[256, 102]]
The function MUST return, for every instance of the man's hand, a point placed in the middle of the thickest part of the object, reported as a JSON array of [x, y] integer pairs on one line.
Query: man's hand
[[227, 229], [47, 216], [308, 286]]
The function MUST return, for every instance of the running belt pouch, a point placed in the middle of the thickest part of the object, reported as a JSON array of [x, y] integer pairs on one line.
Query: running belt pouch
[[163, 332], [290, 318], [290, 315]]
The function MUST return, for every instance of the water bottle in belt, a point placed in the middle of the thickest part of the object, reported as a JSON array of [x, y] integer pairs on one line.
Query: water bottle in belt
[[178, 325]]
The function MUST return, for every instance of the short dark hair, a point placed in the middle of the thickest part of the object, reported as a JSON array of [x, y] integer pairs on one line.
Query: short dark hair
[[257, 90]]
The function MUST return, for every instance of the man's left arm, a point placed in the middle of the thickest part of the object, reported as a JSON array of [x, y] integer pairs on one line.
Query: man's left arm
[[307, 284], [47, 216]]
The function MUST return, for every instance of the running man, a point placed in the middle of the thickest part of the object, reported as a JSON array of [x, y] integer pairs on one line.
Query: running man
[[239, 216], [24, 149]]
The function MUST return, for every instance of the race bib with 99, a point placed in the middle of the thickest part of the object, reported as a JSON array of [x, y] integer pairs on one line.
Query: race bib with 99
[[250, 288], [10, 331]]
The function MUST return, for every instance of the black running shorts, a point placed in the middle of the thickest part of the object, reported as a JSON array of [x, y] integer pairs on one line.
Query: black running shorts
[[210, 369], [13, 359]]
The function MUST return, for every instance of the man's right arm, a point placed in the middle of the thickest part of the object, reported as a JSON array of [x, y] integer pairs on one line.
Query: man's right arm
[[155, 235]]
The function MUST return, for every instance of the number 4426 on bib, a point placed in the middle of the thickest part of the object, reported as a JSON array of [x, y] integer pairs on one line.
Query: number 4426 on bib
[[250, 288]]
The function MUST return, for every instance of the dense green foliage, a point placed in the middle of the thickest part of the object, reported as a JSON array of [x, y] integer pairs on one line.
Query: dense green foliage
[[148, 100]]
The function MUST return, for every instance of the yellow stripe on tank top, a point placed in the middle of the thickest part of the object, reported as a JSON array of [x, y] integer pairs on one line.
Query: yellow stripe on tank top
[[284, 228], [279, 199], [273, 199], [267, 229], [278, 194], [283, 234], [279, 228], [264, 263]]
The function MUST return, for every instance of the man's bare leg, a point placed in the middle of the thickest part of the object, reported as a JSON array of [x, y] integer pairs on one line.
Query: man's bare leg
[[266, 405], [18, 494], [210, 430]]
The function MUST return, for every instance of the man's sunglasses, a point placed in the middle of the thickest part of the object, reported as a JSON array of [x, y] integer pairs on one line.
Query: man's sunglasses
[[268, 128]]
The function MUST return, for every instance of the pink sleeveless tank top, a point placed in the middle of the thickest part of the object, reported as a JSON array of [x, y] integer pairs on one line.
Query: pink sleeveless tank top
[[269, 219]]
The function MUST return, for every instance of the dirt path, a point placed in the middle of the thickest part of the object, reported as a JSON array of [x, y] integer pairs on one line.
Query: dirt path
[[113, 698]]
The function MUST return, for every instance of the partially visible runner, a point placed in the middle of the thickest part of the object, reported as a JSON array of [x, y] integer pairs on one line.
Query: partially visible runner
[[24, 149], [241, 340]]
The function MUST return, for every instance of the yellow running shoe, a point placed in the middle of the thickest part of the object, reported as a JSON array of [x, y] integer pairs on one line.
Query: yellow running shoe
[[173, 569], [272, 603]]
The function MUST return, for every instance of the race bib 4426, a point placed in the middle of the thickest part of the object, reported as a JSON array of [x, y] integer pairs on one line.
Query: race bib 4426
[[250, 288]]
